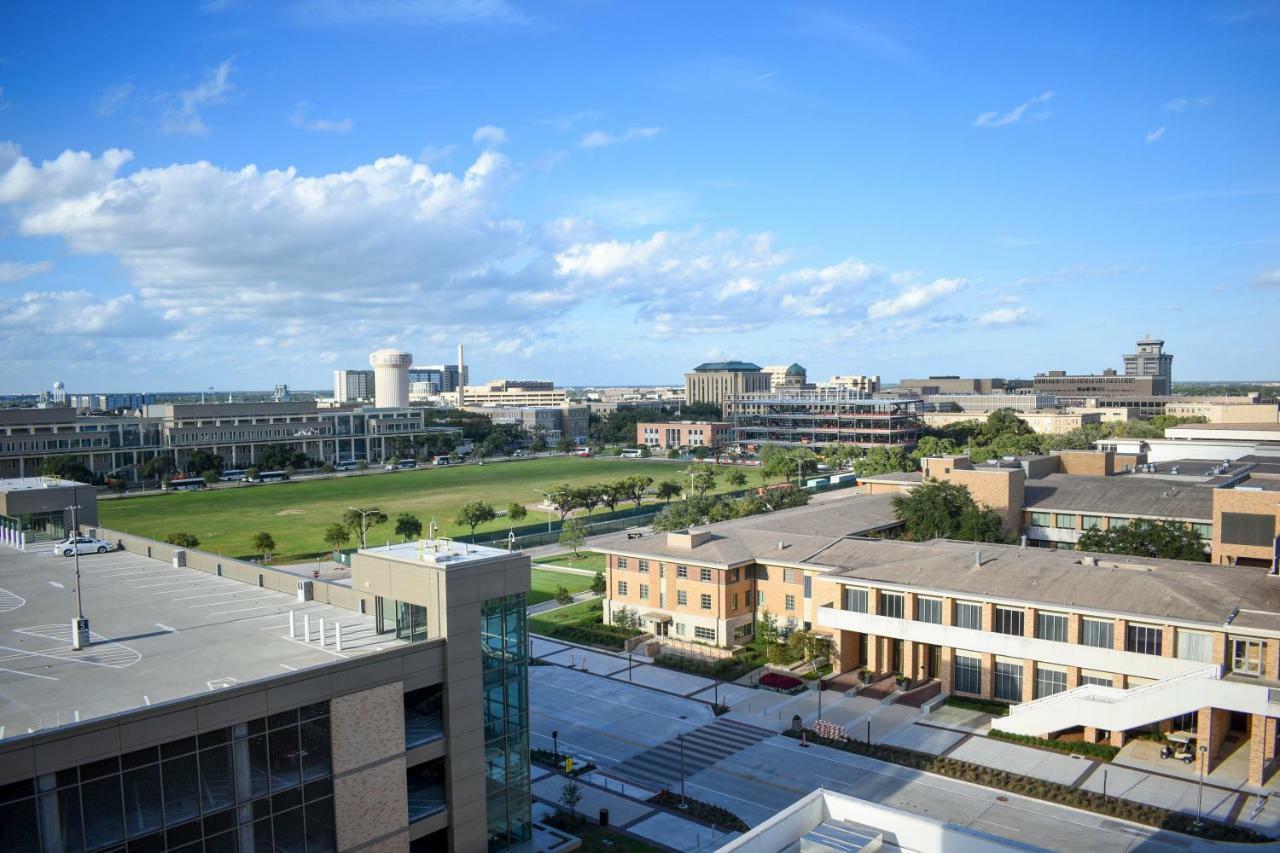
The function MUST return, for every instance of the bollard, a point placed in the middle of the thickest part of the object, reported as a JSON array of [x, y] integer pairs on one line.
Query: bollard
[[321, 621], [306, 627], [292, 630], [337, 636]]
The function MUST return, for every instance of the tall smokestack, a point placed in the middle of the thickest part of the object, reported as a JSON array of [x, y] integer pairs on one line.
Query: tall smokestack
[[462, 378]]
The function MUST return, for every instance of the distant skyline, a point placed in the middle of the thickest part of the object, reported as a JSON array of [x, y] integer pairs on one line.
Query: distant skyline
[[238, 194]]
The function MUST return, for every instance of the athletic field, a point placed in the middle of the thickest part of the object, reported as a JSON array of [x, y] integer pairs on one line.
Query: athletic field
[[296, 514]]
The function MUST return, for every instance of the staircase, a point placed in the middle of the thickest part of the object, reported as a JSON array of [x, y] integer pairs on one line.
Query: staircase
[[1114, 709]]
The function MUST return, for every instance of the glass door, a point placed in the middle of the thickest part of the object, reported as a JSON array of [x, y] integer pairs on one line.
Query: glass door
[[1246, 657]]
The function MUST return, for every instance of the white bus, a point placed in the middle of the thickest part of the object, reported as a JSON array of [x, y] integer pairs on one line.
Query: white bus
[[233, 475], [267, 477], [184, 484]]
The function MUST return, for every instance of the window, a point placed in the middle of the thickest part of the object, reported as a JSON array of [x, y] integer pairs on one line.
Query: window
[[622, 587], [682, 571], [704, 633], [1099, 680], [1205, 531], [1090, 522], [855, 599], [622, 562], [790, 602], [1098, 633], [1144, 639], [662, 570], [644, 590], [682, 597], [1049, 681], [1064, 522], [969, 615], [705, 601], [680, 628], [891, 604], [1246, 656], [704, 575], [743, 630], [1051, 626], [968, 675], [1040, 519], [644, 566], [734, 606], [929, 610], [733, 576], [1010, 620], [1008, 681], [1193, 645], [1113, 521], [791, 576]]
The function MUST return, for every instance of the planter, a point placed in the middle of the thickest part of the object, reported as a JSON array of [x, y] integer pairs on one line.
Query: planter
[[779, 683]]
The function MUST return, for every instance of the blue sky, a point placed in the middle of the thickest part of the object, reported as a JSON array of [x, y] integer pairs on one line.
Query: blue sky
[[242, 193]]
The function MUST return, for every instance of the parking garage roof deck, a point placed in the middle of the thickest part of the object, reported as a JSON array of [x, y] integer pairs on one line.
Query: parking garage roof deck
[[160, 634]]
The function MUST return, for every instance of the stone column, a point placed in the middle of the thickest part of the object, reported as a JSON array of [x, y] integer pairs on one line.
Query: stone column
[[1262, 739], [1090, 735], [1029, 622], [874, 658], [1168, 642], [1028, 680], [988, 674], [1118, 635], [1211, 730], [946, 664]]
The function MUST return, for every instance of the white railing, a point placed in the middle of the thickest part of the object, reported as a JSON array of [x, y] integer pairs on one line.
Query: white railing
[[1098, 693]]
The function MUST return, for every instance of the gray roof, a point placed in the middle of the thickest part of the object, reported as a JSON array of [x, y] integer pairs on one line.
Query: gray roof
[[1120, 496], [801, 532], [717, 366], [1146, 588]]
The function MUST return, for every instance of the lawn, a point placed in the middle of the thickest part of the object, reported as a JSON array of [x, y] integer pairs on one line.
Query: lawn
[[585, 560], [296, 514], [580, 623], [545, 582]]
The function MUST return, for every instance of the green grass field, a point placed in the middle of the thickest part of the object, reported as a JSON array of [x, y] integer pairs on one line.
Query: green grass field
[[545, 581], [586, 560], [296, 514]]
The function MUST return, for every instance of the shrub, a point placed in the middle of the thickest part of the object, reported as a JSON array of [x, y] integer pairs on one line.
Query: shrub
[[781, 683], [984, 706], [721, 817], [1102, 751]]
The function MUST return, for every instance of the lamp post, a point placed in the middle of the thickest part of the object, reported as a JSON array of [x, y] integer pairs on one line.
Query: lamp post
[[680, 740], [1204, 759], [550, 508], [555, 744], [80, 625], [363, 513], [629, 661]]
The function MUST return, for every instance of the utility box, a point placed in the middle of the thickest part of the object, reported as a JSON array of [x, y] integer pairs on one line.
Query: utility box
[[180, 559], [306, 590]]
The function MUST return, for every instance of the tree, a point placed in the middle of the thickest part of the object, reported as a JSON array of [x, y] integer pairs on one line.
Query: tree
[[516, 512], [563, 596], [277, 457], [564, 499], [159, 468], [539, 440], [210, 477], [565, 445], [570, 796], [702, 478], [408, 526], [946, 510], [673, 453], [636, 487], [1142, 537], [701, 412], [252, 473], [737, 478], [337, 535], [474, 514], [327, 468], [667, 490], [932, 445], [183, 540], [767, 635], [201, 461], [590, 497], [598, 585], [362, 522], [796, 462], [883, 460], [263, 544], [645, 452], [808, 647], [612, 493], [572, 534]]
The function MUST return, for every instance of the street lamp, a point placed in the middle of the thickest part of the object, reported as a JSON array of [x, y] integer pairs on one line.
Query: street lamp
[[1204, 759], [555, 743], [80, 636], [363, 513], [680, 740], [550, 507]]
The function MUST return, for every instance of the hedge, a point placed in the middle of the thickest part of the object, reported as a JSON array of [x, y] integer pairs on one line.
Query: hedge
[[1103, 751], [721, 817], [601, 635], [725, 669], [982, 706], [1041, 789]]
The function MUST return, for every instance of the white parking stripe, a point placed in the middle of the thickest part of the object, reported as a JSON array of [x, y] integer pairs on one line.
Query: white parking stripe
[[241, 601]]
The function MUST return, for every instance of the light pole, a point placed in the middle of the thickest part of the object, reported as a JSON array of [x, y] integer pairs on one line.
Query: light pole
[[680, 740], [1204, 758], [550, 506], [80, 626], [629, 666], [555, 743], [363, 513]]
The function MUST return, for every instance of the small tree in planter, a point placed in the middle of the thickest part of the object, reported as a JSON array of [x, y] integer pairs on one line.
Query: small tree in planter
[[570, 796]]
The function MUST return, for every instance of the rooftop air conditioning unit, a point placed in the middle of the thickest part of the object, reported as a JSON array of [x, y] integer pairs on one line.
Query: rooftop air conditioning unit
[[306, 590]]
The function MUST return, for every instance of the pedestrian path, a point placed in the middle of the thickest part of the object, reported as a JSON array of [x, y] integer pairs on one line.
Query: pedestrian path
[[661, 766]]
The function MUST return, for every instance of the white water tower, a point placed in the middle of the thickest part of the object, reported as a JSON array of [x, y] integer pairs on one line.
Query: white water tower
[[391, 378]]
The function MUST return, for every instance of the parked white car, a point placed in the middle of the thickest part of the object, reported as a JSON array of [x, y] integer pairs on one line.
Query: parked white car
[[83, 545]]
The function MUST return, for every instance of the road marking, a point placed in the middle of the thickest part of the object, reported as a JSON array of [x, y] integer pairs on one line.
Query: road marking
[[58, 585], [168, 628], [209, 594], [28, 674], [146, 700], [233, 601], [243, 610], [220, 683], [290, 668]]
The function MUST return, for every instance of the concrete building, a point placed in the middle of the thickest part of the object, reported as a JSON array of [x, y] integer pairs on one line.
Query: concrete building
[[715, 382], [515, 392], [391, 378], [34, 509], [823, 416], [1104, 647], [986, 403], [1148, 372], [1151, 360], [566, 420], [1253, 411], [353, 386], [110, 402], [446, 377], [786, 376], [387, 712], [679, 434], [854, 382], [950, 385]]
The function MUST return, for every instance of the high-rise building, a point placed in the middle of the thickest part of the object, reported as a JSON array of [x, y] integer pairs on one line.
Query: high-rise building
[[1151, 360], [714, 382], [352, 386], [390, 378]]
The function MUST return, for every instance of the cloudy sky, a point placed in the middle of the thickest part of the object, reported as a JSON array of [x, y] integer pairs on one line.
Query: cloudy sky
[[237, 193]]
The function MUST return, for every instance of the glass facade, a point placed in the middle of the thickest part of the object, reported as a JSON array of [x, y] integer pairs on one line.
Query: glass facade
[[1008, 681], [261, 785], [505, 639], [968, 674]]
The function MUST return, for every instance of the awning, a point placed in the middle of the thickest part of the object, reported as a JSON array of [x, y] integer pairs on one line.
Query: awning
[[656, 616]]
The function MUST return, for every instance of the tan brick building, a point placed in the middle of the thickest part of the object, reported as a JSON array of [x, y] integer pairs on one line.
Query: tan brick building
[[678, 434]]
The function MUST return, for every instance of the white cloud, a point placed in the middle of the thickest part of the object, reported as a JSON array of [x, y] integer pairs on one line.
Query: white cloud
[[112, 98], [1270, 278], [76, 312], [602, 138], [489, 136], [1155, 135], [1004, 316], [183, 114], [1082, 271], [12, 271], [435, 153], [417, 12], [1178, 105], [914, 298], [993, 118], [300, 117], [566, 122]]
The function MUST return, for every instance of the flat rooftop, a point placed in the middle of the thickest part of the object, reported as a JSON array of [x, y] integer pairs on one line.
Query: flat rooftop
[[438, 553], [27, 484], [159, 634], [1120, 495], [1136, 586]]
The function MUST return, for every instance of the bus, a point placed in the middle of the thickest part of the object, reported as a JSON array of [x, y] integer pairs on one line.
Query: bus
[[233, 475], [267, 477], [184, 484], [630, 453]]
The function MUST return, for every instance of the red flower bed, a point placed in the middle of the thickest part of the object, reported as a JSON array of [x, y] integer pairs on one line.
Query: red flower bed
[[781, 683]]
